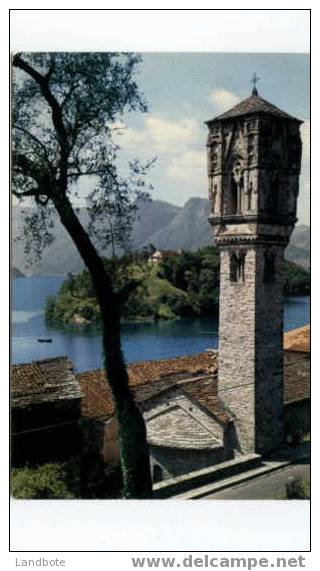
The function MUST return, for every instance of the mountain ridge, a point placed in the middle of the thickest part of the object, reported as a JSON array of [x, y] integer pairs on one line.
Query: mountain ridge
[[166, 226]]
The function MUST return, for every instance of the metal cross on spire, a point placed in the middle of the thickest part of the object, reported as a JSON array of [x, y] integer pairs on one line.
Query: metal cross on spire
[[254, 82]]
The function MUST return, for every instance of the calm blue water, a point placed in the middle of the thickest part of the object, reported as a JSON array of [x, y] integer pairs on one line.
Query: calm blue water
[[140, 341]]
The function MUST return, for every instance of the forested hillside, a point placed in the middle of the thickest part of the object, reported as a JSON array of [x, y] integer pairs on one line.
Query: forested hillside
[[182, 285]]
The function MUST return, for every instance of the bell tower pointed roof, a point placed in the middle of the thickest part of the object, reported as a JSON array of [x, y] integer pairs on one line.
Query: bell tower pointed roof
[[253, 105]]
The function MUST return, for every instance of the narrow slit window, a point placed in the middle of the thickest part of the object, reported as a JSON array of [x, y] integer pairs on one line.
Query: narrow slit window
[[237, 264]]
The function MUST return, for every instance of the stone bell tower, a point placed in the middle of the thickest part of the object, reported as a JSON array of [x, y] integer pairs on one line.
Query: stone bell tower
[[254, 156]]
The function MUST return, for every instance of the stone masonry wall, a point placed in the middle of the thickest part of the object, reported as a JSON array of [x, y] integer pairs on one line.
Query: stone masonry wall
[[250, 349], [237, 347], [176, 461], [269, 411]]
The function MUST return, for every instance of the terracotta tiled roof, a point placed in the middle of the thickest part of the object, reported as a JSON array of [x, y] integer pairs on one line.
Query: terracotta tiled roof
[[43, 381], [203, 388], [145, 371], [297, 339], [53, 379], [150, 377], [251, 105], [97, 402], [196, 375]]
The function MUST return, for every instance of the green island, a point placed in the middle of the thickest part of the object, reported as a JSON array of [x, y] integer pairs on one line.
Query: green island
[[184, 284]]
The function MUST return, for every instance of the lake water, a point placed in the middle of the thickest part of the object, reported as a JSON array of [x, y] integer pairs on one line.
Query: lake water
[[140, 341]]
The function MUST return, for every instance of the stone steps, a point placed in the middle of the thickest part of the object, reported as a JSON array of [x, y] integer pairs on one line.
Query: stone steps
[[204, 491], [284, 458], [175, 487]]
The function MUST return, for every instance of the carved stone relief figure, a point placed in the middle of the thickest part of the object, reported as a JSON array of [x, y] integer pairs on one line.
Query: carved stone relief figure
[[213, 192], [237, 187], [227, 138]]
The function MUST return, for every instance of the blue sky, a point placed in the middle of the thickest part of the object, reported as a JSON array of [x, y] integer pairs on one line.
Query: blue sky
[[185, 89]]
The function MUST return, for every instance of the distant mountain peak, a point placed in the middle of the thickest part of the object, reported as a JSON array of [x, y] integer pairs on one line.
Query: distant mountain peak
[[165, 225]]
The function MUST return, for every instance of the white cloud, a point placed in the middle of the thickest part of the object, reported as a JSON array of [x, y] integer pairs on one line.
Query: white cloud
[[223, 99], [179, 146], [188, 166], [160, 135]]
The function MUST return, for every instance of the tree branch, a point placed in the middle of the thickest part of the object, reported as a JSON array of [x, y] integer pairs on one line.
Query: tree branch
[[57, 118], [86, 249], [37, 141], [87, 173], [33, 171], [31, 192]]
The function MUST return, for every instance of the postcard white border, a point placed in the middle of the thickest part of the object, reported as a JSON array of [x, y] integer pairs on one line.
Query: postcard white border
[[123, 526]]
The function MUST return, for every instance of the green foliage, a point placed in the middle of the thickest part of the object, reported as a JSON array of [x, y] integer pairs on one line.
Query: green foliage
[[197, 274], [184, 285], [44, 482], [296, 279], [298, 489], [164, 312], [98, 480], [85, 477], [50, 308]]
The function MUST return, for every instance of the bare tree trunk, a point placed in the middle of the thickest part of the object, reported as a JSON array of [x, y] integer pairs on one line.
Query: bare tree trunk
[[134, 450]]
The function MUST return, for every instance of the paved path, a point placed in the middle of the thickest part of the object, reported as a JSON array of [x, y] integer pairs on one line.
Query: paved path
[[268, 487]]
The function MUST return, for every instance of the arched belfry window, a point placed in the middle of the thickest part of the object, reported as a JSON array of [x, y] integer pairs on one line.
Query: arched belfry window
[[269, 267], [237, 264]]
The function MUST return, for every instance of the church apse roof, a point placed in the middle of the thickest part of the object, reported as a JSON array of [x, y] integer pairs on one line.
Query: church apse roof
[[146, 379], [253, 105]]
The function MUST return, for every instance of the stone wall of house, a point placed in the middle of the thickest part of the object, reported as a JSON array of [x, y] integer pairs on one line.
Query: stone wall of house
[[175, 421], [169, 462]]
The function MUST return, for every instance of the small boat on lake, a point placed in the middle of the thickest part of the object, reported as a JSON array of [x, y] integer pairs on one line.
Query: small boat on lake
[[44, 340]]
